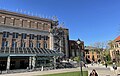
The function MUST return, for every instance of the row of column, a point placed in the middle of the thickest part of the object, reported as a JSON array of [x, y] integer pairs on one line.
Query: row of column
[[32, 61]]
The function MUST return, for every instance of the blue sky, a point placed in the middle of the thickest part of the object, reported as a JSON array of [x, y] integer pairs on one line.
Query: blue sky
[[90, 20]]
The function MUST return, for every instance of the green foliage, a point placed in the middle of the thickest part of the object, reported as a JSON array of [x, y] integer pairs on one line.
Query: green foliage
[[111, 44], [102, 62], [85, 73], [108, 58], [109, 62], [76, 58], [106, 53]]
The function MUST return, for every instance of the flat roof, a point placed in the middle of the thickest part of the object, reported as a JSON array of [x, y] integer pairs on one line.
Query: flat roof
[[25, 16]]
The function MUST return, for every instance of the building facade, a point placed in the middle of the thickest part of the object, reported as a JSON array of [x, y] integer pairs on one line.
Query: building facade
[[91, 54], [115, 49], [74, 49], [28, 41], [60, 40]]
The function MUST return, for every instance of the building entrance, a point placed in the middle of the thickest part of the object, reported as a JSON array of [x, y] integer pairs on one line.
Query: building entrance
[[23, 64], [3, 63], [12, 65], [19, 62]]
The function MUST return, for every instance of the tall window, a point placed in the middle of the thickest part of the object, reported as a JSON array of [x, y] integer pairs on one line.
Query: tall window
[[45, 45], [31, 44], [23, 44], [15, 35], [31, 36], [24, 36], [4, 43], [38, 37], [14, 44], [5, 34], [38, 45], [45, 37]]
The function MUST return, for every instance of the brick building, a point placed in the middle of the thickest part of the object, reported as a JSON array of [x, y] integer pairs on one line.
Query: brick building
[[28, 41], [91, 54], [74, 49], [115, 49]]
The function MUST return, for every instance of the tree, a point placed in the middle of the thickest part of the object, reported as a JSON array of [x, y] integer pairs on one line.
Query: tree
[[111, 44], [102, 48], [106, 53]]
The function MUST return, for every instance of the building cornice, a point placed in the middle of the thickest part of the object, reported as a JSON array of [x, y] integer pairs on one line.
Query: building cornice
[[25, 16]]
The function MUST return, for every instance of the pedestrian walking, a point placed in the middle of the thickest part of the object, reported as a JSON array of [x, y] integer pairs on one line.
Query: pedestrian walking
[[93, 73], [106, 65]]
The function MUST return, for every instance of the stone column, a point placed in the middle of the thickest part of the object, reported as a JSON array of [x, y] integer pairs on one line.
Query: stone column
[[54, 62], [60, 45], [8, 63], [33, 62], [51, 41], [66, 46], [30, 60]]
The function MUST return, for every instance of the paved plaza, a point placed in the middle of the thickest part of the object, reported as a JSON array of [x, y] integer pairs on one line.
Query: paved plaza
[[101, 70]]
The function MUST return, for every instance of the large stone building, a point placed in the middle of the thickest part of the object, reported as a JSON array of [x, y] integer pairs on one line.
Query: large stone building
[[115, 49], [92, 54], [28, 41], [75, 49]]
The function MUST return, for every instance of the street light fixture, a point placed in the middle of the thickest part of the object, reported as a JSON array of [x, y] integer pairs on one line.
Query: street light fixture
[[80, 56]]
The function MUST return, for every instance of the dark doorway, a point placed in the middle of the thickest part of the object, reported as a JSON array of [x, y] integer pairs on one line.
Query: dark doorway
[[3, 65], [12, 65], [23, 64], [88, 60], [18, 62]]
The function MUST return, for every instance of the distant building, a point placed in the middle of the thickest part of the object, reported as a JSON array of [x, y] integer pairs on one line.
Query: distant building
[[28, 41], [74, 50], [115, 49], [91, 54]]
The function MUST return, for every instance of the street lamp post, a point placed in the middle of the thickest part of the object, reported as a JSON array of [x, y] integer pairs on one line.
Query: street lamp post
[[79, 42]]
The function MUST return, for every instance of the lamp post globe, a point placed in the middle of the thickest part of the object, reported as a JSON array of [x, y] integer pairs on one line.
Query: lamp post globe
[[78, 41]]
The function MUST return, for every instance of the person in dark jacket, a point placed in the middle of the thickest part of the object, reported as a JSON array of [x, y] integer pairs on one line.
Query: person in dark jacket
[[93, 73], [106, 65]]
